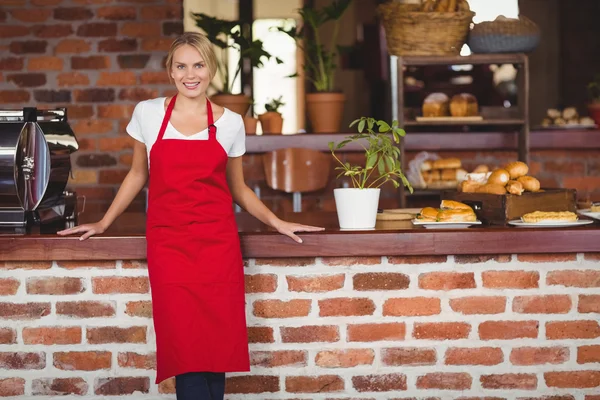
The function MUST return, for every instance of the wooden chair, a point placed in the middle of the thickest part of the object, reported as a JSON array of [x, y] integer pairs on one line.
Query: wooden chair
[[297, 171]]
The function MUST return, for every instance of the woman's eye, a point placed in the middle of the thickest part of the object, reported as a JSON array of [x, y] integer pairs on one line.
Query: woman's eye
[[180, 67]]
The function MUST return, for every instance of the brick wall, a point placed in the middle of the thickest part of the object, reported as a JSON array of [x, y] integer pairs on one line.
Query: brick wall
[[436, 327]]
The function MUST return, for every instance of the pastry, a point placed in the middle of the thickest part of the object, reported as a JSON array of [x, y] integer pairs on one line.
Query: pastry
[[553, 113], [529, 183], [560, 122], [516, 169], [443, 185], [448, 174], [595, 208], [427, 165], [442, 6], [428, 5], [481, 169], [463, 5], [464, 105], [570, 113], [492, 188], [444, 163], [454, 205], [515, 187], [499, 177], [434, 176], [547, 122], [436, 105], [469, 186], [456, 216], [428, 214], [587, 121], [549, 216]]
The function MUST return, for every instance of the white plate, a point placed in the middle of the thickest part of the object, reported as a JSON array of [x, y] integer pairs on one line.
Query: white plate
[[444, 225], [550, 224], [588, 213], [566, 127]]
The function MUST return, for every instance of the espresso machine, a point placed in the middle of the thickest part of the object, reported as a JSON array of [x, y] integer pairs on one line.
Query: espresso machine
[[35, 164]]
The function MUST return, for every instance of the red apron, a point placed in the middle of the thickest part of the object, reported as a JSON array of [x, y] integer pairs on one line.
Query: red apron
[[194, 258]]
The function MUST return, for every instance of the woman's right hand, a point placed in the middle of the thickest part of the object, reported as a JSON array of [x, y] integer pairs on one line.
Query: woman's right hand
[[87, 230]]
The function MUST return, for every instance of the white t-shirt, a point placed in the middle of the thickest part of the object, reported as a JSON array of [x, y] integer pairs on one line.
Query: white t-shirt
[[148, 116]]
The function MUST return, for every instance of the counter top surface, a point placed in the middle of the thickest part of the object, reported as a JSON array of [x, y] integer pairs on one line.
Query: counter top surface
[[126, 240]]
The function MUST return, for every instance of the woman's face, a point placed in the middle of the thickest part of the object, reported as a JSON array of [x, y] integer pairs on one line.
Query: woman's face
[[189, 72]]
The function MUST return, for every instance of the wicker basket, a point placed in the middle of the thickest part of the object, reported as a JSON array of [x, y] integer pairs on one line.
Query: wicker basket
[[505, 36], [415, 33]]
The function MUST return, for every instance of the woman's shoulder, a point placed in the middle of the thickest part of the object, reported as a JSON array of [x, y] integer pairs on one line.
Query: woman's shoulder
[[231, 117], [150, 105]]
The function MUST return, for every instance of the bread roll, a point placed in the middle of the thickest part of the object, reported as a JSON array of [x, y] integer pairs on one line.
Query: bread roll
[[456, 216], [448, 174], [427, 165], [428, 5], [444, 163], [469, 186], [434, 176], [529, 183], [454, 205], [481, 169], [499, 177], [442, 6], [553, 113], [436, 105], [428, 214], [452, 5], [464, 105], [587, 121], [514, 187], [516, 169], [492, 188], [570, 113], [463, 5], [547, 122]]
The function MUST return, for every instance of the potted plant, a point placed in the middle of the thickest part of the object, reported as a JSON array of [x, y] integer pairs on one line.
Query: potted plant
[[226, 35], [271, 121], [594, 105], [325, 106], [357, 206], [250, 121]]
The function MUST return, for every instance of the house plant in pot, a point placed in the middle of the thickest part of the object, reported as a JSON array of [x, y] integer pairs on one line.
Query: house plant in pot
[[226, 35], [594, 105], [357, 206], [272, 121], [250, 121], [326, 105]]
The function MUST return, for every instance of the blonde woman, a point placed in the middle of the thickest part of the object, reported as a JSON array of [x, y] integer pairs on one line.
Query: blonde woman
[[192, 149]]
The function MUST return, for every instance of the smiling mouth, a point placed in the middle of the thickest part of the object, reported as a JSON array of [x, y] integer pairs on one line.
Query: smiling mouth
[[192, 85]]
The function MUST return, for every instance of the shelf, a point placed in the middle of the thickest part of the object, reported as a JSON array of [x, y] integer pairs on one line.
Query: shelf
[[509, 58], [512, 121]]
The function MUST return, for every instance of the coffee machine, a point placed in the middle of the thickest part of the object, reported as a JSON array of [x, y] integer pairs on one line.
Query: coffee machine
[[35, 164]]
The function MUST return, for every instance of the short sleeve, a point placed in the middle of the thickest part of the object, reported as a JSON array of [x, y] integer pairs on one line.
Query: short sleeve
[[134, 128], [238, 147]]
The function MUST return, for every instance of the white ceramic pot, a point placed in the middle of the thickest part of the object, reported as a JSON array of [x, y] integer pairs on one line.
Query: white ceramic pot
[[356, 208]]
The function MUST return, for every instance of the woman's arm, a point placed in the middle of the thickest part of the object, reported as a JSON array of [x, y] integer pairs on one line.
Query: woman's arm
[[246, 198], [132, 184]]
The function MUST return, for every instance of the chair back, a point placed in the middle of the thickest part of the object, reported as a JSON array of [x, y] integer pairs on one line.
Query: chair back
[[297, 169]]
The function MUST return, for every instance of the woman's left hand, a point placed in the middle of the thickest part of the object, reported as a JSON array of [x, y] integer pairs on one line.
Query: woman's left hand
[[289, 228]]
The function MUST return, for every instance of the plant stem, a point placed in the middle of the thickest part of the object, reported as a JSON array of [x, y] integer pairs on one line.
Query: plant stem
[[319, 53], [336, 28], [356, 183]]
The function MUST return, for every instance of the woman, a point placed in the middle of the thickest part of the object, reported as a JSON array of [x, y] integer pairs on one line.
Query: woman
[[191, 149]]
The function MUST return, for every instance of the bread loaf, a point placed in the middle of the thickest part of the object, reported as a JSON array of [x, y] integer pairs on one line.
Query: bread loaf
[[529, 183], [442, 6], [427, 165], [449, 174], [464, 105], [469, 186], [444, 163], [454, 205], [499, 177], [428, 214], [516, 169], [514, 187], [481, 169], [492, 188], [463, 5], [456, 216], [436, 105]]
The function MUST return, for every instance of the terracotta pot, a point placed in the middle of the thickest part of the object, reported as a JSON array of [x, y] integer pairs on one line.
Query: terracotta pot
[[325, 111], [238, 103], [250, 125], [594, 111], [271, 123]]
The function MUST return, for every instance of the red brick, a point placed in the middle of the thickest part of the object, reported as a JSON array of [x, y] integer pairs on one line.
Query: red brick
[[310, 334], [76, 46], [45, 64], [572, 330], [474, 356], [97, 29], [569, 167], [510, 279], [572, 379], [281, 309], [86, 309], [346, 358], [156, 78], [349, 261], [412, 260], [140, 29], [117, 13], [121, 385], [131, 264], [589, 303], [50, 285], [52, 31], [9, 286], [11, 64], [117, 45], [14, 96], [137, 94], [30, 14], [586, 256], [376, 332], [548, 304], [447, 280], [92, 126], [539, 355], [135, 360], [588, 354], [445, 381], [380, 281], [121, 78], [315, 283], [28, 47], [8, 336], [482, 258], [252, 384], [346, 307], [581, 182], [52, 96], [408, 356], [171, 11], [112, 176], [260, 334], [22, 360], [260, 283], [73, 13], [59, 387], [108, 334], [592, 397], [574, 278], [479, 305], [283, 262], [379, 383], [282, 358], [441, 330], [314, 384], [142, 308], [120, 284], [24, 310], [72, 79], [509, 381], [506, 330], [87, 264], [46, 2], [133, 61], [90, 62], [414, 306], [157, 44], [12, 387], [80, 111], [547, 258], [52, 335], [11, 31]]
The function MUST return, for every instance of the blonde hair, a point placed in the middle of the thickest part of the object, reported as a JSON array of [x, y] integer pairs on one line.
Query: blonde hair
[[200, 43]]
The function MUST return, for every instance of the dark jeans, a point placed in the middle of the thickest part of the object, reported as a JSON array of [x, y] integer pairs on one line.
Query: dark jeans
[[200, 386]]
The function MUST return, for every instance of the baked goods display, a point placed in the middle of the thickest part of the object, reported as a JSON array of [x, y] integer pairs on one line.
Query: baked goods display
[[464, 105], [439, 105], [443, 173], [566, 118], [511, 179], [436, 105], [449, 211], [549, 216]]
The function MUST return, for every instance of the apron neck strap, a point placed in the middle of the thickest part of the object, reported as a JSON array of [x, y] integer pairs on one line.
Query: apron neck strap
[[212, 129], [167, 117]]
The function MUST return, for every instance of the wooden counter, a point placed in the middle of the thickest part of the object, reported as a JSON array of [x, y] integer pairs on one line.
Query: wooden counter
[[125, 240]]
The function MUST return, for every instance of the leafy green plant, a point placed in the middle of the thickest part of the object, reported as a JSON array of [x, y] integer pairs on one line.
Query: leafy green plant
[[227, 35], [594, 89], [382, 157], [319, 60], [274, 105]]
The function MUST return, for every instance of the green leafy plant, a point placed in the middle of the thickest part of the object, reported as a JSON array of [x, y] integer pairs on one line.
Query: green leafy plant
[[274, 105], [319, 60], [382, 157], [594, 89], [226, 35]]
